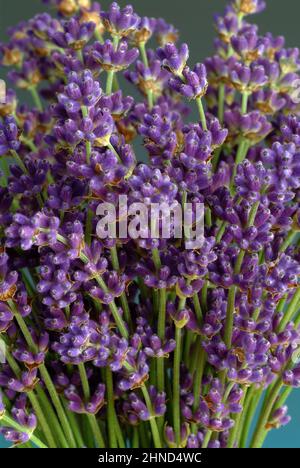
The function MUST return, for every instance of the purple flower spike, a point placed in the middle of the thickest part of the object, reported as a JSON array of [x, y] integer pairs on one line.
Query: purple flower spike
[[9, 135], [121, 22], [81, 90], [74, 35], [110, 58], [174, 59], [194, 83]]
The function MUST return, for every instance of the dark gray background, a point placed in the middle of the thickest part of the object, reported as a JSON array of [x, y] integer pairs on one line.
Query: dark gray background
[[192, 17]]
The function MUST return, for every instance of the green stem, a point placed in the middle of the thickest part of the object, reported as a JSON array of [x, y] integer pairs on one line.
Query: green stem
[[221, 232], [89, 226], [207, 439], [19, 161], [112, 149], [28, 143], [91, 417], [290, 237], [42, 420], [114, 310], [197, 307], [290, 312], [235, 430], [244, 102], [74, 423], [221, 103], [204, 296], [36, 98], [88, 145], [35, 403], [51, 417], [135, 438], [111, 73], [201, 113], [197, 388], [84, 381], [124, 302], [110, 410], [229, 317], [58, 406], [250, 410], [143, 53], [153, 425], [176, 387], [12, 423], [96, 430], [161, 327], [109, 82], [261, 430]]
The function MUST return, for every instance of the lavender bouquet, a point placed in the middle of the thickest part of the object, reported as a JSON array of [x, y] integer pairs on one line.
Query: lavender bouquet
[[138, 341]]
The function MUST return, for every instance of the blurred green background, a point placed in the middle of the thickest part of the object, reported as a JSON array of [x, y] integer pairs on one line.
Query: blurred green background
[[194, 20]]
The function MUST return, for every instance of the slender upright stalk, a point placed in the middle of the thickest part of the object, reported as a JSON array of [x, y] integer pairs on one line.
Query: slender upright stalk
[[88, 145], [176, 380], [110, 409], [111, 73], [36, 98], [146, 63], [153, 425], [201, 113], [124, 302], [91, 417], [260, 430]]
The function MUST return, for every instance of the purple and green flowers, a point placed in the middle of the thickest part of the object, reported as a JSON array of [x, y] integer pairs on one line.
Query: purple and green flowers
[[141, 342]]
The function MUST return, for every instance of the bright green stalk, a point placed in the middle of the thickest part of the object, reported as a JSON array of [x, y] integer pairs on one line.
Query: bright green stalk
[[207, 438], [110, 410], [114, 310], [111, 73], [51, 417], [201, 113], [88, 145], [153, 425], [36, 98], [124, 302], [197, 307], [135, 438], [289, 239], [74, 423], [198, 375], [290, 312], [235, 430], [145, 61], [161, 327], [7, 420], [260, 431], [91, 417], [251, 406], [221, 103], [176, 379], [58, 406]]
